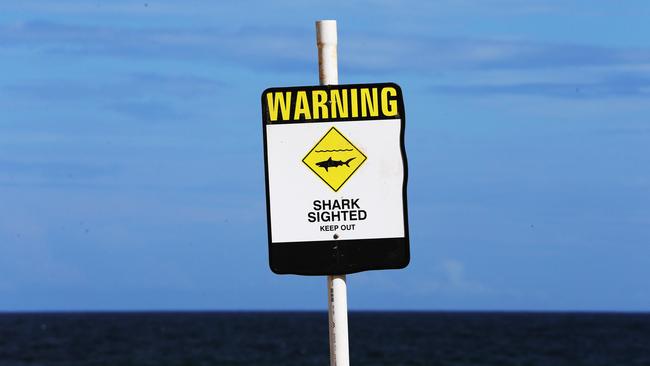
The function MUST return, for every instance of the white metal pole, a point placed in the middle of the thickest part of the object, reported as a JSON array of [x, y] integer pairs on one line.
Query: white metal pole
[[337, 298], [326, 39], [338, 320]]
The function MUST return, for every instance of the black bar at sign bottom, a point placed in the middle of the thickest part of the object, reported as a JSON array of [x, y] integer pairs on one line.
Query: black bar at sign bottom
[[336, 257]]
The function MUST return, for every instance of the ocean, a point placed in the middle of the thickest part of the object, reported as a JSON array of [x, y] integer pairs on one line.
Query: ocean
[[300, 338]]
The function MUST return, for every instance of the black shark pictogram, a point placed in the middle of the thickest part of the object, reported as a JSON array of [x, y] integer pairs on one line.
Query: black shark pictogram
[[329, 163]]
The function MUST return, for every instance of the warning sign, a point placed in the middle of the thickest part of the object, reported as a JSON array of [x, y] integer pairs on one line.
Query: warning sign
[[334, 159], [335, 166]]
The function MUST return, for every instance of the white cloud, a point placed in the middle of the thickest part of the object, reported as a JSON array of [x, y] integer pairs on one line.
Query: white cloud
[[447, 276], [292, 48]]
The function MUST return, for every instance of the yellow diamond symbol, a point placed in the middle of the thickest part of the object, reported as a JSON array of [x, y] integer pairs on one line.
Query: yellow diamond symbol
[[334, 159]]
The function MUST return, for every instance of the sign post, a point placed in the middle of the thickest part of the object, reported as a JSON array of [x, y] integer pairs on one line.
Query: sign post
[[337, 297], [335, 171]]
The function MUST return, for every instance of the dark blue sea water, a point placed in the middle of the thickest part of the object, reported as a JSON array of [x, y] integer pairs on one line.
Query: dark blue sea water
[[376, 338]]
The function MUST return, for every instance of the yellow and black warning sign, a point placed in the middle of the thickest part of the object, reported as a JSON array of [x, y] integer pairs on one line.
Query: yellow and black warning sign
[[334, 159], [335, 170]]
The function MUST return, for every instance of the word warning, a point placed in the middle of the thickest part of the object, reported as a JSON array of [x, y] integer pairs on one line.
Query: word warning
[[335, 168]]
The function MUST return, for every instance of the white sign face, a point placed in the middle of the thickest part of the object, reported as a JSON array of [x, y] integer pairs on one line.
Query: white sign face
[[304, 207], [336, 176]]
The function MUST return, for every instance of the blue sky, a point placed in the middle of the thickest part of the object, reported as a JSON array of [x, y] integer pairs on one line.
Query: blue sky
[[131, 166]]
